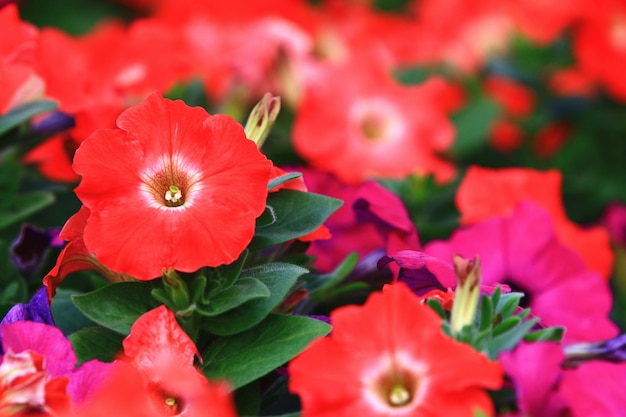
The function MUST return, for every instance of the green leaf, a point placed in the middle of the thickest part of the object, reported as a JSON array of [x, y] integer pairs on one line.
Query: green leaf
[[551, 334], [247, 356], [67, 317], [278, 278], [436, 307], [245, 289], [117, 306], [506, 325], [472, 126], [248, 399], [508, 340], [297, 214], [486, 313], [20, 206], [96, 343], [495, 296], [220, 278], [508, 303], [323, 285], [283, 179], [23, 113]]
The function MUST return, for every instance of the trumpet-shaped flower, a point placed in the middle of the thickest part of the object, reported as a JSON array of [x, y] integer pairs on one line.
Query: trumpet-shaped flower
[[172, 187], [522, 250], [157, 367], [390, 357], [38, 374]]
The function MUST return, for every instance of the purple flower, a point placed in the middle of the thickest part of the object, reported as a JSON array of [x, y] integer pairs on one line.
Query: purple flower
[[30, 248], [37, 310], [372, 220], [421, 272]]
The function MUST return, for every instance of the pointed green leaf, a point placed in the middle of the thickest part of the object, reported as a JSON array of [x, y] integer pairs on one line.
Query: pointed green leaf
[[249, 355], [508, 340], [222, 277], [245, 289], [509, 303], [278, 278], [486, 313], [23, 113], [283, 179], [117, 306], [297, 214], [506, 324], [552, 334]]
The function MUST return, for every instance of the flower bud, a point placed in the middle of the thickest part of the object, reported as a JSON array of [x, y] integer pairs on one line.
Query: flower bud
[[466, 293], [612, 350], [262, 118]]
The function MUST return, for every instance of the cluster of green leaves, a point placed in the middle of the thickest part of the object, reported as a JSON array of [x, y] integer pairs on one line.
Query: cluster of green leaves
[[500, 324], [24, 196], [234, 313]]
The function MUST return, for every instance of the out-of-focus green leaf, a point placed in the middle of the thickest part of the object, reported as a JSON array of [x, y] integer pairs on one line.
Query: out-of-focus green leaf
[[23, 113]]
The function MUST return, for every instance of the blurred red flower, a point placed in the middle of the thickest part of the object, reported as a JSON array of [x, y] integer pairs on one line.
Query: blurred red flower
[[172, 187], [390, 357], [363, 124], [600, 45]]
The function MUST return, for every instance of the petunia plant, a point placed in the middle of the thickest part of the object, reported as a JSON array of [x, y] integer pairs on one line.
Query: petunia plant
[[196, 184], [312, 208]]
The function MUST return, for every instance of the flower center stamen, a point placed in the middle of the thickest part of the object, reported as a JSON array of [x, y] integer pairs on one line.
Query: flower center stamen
[[399, 396], [174, 197]]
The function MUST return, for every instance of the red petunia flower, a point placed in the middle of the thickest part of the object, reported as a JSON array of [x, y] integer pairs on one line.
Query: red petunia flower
[[484, 193], [172, 187], [390, 357], [75, 256], [157, 367], [600, 45], [363, 124]]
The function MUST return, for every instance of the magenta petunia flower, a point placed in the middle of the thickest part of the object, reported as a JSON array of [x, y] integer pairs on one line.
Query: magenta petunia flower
[[38, 372], [523, 251], [371, 222]]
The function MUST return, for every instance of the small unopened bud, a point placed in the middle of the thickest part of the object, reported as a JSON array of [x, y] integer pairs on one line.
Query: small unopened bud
[[262, 118], [612, 350], [467, 292]]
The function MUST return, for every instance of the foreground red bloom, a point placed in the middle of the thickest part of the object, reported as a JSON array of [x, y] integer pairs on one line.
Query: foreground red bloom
[[484, 193], [173, 187], [157, 367], [390, 357]]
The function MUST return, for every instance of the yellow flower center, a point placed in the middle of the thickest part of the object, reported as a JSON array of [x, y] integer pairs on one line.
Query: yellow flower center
[[399, 396], [173, 196]]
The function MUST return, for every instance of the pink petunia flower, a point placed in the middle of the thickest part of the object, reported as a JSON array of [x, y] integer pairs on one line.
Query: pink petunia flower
[[523, 251]]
